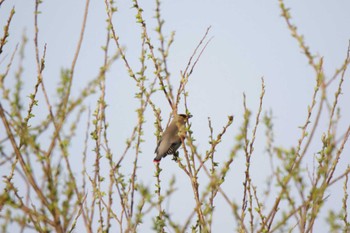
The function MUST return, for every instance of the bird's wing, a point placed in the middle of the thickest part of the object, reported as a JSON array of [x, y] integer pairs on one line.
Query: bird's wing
[[156, 150]]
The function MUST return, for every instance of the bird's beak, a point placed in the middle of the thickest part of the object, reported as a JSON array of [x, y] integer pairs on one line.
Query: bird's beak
[[189, 116]]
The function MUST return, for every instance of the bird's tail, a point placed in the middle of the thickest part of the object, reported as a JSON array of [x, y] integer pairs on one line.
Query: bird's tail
[[156, 159]]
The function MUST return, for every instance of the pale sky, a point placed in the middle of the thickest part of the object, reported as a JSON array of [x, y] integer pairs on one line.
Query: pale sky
[[250, 41]]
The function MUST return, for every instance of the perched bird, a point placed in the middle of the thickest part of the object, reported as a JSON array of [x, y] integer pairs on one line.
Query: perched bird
[[171, 138]]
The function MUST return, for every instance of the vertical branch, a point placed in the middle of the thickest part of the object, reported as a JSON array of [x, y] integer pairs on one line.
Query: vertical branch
[[4, 75], [249, 151], [52, 185], [164, 49], [339, 90], [194, 183], [19, 156], [156, 63], [345, 205], [110, 10], [109, 155], [247, 178], [85, 211], [140, 116], [213, 171], [3, 40], [159, 221], [17, 105], [65, 100], [296, 161], [97, 179], [327, 167], [299, 38], [189, 69]]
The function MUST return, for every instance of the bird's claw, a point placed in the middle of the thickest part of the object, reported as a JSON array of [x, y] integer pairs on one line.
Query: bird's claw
[[175, 156]]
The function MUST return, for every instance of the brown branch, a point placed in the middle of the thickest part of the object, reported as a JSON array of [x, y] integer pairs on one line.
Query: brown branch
[[19, 156], [3, 40], [71, 74], [186, 74], [343, 67], [3, 76], [155, 61]]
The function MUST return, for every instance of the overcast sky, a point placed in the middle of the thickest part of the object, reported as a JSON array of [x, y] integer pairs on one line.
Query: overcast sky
[[250, 41]]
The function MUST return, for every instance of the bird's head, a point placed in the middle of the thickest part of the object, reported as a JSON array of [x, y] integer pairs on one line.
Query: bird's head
[[183, 116], [181, 120]]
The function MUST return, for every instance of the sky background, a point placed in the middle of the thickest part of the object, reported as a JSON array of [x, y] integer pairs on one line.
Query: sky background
[[250, 41]]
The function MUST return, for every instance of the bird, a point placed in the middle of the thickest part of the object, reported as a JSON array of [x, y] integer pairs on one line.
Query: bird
[[171, 138]]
